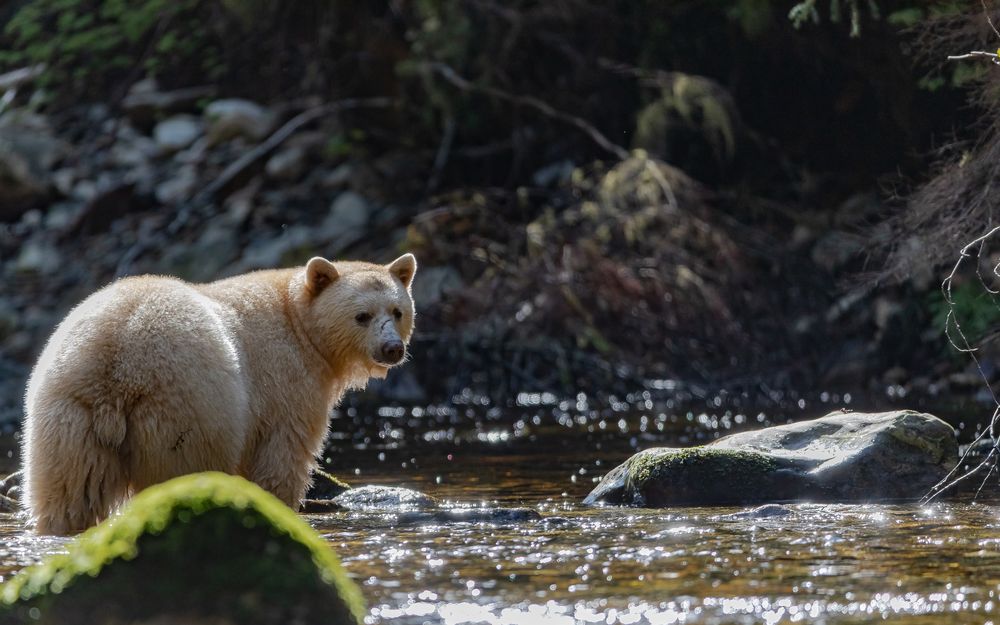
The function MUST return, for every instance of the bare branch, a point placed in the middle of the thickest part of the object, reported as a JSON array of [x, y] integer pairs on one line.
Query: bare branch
[[975, 54], [237, 170], [240, 166], [961, 343], [450, 75]]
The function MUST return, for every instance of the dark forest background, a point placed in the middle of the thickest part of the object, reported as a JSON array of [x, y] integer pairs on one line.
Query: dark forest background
[[604, 196]]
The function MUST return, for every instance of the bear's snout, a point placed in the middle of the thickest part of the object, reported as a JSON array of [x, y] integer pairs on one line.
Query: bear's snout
[[392, 352]]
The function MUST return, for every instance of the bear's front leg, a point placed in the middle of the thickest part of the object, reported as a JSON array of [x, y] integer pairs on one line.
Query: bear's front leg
[[282, 468]]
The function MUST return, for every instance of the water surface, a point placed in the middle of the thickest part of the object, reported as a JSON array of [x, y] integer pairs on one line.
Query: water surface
[[919, 564]]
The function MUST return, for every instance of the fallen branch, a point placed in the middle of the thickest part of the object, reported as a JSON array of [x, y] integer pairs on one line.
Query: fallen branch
[[237, 170], [234, 174]]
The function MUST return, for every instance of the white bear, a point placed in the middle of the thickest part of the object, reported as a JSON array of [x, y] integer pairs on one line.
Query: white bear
[[153, 377]]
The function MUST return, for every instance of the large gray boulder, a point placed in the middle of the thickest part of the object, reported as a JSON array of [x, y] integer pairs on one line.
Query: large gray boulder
[[847, 457]]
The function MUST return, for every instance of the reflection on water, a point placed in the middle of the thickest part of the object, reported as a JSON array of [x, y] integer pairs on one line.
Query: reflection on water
[[813, 563]]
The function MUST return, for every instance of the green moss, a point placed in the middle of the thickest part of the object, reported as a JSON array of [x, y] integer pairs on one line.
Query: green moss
[[702, 476], [207, 544], [806, 11], [326, 485], [968, 308], [730, 463], [689, 109], [936, 439], [83, 43]]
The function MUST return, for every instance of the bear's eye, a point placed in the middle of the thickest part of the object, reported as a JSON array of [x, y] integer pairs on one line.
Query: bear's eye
[[363, 318], [397, 313]]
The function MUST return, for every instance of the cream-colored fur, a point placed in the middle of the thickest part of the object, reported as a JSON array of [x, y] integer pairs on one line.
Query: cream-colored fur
[[153, 377]]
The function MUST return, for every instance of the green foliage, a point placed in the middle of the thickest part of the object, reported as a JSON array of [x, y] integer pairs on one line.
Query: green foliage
[[85, 44], [343, 145], [445, 33], [956, 75], [905, 18], [807, 11], [973, 309], [753, 16]]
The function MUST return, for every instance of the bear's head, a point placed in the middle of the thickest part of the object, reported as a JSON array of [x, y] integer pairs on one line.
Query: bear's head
[[359, 315]]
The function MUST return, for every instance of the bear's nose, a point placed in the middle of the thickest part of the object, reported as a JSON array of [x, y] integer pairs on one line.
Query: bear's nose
[[392, 351]]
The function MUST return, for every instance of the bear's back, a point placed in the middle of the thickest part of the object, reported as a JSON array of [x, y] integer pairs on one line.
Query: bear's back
[[138, 336]]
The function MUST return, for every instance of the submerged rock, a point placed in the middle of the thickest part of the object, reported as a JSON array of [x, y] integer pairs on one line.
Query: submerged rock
[[500, 516], [325, 486], [403, 505], [203, 548], [391, 498], [10, 492], [768, 511], [896, 455]]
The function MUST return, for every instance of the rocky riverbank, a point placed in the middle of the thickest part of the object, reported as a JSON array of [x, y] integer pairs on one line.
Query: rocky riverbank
[[625, 275]]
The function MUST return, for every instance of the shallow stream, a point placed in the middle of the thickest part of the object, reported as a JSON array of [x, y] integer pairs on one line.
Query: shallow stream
[[920, 564]]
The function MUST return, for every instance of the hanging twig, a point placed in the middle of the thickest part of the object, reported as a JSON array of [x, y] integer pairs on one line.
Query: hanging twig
[[961, 343]]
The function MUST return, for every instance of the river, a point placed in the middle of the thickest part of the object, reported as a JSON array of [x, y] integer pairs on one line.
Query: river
[[835, 564]]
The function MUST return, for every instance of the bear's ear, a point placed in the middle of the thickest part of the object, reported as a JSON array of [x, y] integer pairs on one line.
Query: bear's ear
[[404, 268], [320, 273]]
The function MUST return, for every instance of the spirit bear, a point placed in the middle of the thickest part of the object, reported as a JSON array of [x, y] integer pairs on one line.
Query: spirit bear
[[152, 377]]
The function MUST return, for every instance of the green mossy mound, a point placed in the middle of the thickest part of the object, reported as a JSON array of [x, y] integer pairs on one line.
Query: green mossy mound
[[202, 548]]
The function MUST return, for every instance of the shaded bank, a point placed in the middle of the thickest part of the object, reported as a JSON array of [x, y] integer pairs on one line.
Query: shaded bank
[[498, 144]]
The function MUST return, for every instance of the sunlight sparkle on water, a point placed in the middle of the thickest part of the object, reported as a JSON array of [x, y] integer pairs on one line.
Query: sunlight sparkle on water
[[749, 609]]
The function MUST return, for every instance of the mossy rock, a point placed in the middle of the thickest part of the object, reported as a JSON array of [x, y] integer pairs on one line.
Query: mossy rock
[[844, 457], [203, 548], [326, 485], [320, 497], [697, 476]]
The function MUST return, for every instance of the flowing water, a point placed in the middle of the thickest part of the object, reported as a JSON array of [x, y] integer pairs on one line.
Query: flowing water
[[919, 564]]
